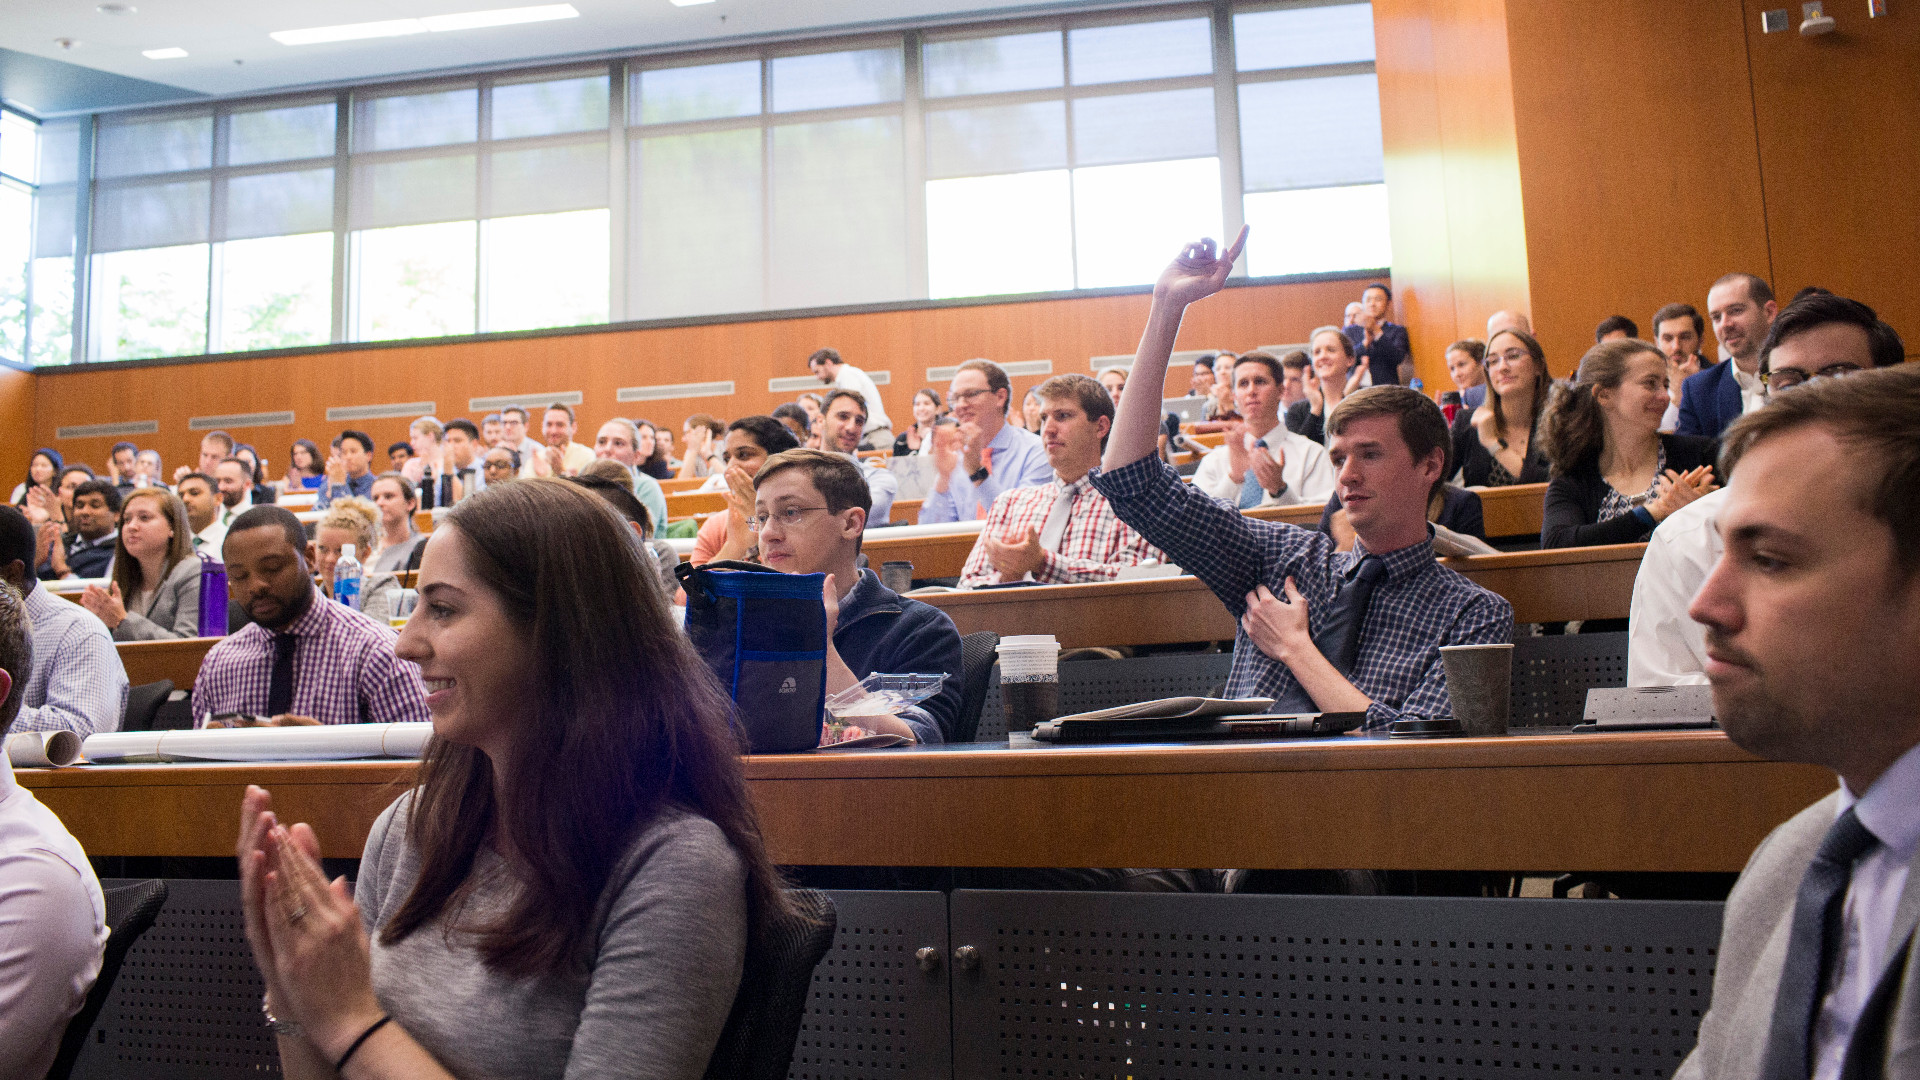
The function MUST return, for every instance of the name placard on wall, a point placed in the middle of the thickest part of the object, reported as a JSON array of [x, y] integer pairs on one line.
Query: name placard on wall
[[106, 431], [669, 391], [407, 409], [1125, 363], [525, 401], [1018, 367], [241, 420]]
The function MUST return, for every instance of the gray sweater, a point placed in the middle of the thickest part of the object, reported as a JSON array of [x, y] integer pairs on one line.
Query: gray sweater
[[670, 929]]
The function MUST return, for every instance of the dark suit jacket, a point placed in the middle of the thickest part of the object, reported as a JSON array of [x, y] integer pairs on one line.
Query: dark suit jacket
[[1386, 353], [1574, 498], [1709, 401]]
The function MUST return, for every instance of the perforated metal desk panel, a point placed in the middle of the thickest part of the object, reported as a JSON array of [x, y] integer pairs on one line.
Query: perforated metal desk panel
[[1666, 801]]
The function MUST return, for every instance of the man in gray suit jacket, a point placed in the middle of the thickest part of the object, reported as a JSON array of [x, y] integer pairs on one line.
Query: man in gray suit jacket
[[1812, 621]]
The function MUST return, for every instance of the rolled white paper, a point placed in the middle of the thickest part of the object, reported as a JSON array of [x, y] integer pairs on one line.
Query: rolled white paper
[[339, 742], [43, 749]]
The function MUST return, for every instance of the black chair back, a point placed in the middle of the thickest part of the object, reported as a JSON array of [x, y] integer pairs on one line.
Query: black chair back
[[131, 910], [143, 704], [976, 670], [757, 1043]]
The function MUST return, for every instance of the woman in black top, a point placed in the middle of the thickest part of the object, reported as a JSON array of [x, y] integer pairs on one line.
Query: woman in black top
[[1333, 377], [1614, 475], [926, 409], [1494, 445], [651, 454]]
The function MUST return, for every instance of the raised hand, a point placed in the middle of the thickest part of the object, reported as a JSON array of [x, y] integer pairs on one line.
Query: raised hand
[[1268, 464], [107, 603], [1197, 273], [336, 470], [1236, 444]]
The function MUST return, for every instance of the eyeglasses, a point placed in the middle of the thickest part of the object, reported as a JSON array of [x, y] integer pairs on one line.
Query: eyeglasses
[[1788, 378], [959, 396], [1511, 356], [788, 517]]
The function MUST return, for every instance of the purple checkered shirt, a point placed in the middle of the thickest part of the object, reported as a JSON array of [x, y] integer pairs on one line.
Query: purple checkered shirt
[[344, 671]]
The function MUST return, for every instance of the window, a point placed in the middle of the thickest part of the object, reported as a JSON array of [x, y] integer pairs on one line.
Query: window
[[19, 151]]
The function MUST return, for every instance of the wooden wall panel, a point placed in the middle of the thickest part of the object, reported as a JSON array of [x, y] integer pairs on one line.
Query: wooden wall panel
[[1839, 132], [16, 426], [906, 343], [1639, 160]]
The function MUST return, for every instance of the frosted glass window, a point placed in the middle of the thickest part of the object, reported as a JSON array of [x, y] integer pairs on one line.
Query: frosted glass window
[[546, 270], [706, 92], [992, 65], [409, 120], [59, 152], [1129, 221], [996, 139], [53, 209], [697, 193], [305, 131], [1144, 127], [413, 192], [151, 302], [139, 147], [836, 79], [150, 215], [1303, 36], [16, 227], [1302, 133], [549, 107], [839, 213], [52, 316], [1156, 50], [547, 179], [276, 292], [273, 204], [415, 281], [989, 235], [19, 147], [1318, 230]]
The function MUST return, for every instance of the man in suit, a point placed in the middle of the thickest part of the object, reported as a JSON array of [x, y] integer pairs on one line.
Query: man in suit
[[1812, 621], [1742, 308]]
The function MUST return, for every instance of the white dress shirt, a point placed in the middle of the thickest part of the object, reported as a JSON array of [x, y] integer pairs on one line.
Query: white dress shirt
[[78, 682], [1753, 390], [1665, 647], [1307, 470], [212, 538], [852, 378], [1892, 814], [53, 925]]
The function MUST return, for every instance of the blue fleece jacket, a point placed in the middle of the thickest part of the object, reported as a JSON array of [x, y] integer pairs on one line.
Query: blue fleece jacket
[[880, 630]]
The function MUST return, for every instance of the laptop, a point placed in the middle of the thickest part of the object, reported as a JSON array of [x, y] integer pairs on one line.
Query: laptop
[[1190, 410], [915, 474]]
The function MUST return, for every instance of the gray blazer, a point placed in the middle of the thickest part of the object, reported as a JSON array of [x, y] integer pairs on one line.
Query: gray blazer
[[176, 608], [1753, 953]]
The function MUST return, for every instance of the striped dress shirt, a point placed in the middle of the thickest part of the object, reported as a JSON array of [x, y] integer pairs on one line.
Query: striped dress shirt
[[77, 682], [1418, 608], [1095, 545], [344, 671]]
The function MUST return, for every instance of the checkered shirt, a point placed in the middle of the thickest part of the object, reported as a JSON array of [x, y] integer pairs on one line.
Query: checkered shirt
[[77, 681], [344, 671], [1095, 545], [1418, 608]]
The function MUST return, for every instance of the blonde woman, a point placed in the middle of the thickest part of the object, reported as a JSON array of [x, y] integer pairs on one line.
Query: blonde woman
[[155, 592], [351, 521]]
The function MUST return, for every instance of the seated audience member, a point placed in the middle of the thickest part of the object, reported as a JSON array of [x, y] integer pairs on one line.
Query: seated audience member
[[96, 518], [1507, 320], [609, 481], [1453, 509], [1814, 336], [426, 465], [55, 505], [810, 509], [396, 500], [43, 465], [796, 419], [1219, 406], [702, 433], [618, 952], [1062, 532], [1028, 418], [811, 403], [1294, 369], [352, 521], [1352, 314], [201, 497], [349, 470], [461, 474], [513, 433], [155, 591], [261, 493], [1676, 330], [829, 368], [1202, 382], [914, 440], [620, 441], [215, 447], [1334, 377], [1497, 444], [1261, 463], [489, 431], [1615, 328], [78, 682], [842, 420], [501, 464], [398, 454], [1615, 476], [1113, 380], [751, 440], [146, 469], [306, 469], [1813, 642], [992, 456], [50, 902], [120, 465], [1345, 631], [1467, 365], [236, 488], [1381, 347], [303, 659], [557, 427], [1741, 307]]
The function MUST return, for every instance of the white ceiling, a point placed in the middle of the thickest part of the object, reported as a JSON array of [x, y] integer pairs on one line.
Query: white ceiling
[[230, 52]]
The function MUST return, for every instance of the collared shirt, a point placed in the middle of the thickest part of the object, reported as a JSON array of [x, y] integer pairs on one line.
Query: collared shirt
[[528, 447], [1418, 608], [1665, 647], [1013, 458], [53, 926], [1391, 347], [91, 558], [361, 485], [212, 538], [882, 486], [1306, 470], [344, 671], [1095, 545], [78, 682], [1753, 389], [574, 457], [1892, 815]]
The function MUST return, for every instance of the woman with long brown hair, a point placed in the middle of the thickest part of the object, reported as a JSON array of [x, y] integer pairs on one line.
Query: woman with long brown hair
[[571, 886], [155, 591], [1494, 445]]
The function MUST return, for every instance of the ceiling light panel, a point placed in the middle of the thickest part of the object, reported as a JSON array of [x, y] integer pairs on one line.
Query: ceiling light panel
[[164, 54], [467, 20]]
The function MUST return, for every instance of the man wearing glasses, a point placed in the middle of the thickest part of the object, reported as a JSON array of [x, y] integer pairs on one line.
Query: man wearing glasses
[[1818, 335], [809, 510], [984, 455]]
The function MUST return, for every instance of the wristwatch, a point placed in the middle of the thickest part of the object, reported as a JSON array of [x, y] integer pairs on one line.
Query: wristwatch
[[274, 1023], [979, 474]]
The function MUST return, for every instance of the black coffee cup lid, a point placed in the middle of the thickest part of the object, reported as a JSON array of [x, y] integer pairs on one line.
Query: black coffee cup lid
[[1423, 727]]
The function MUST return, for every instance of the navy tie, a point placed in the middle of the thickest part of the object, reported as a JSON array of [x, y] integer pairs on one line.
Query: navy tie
[[1338, 638], [1812, 948]]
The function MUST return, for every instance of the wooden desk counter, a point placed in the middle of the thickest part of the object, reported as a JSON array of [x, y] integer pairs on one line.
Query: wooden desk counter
[[937, 556], [1515, 510], [1671, 801]]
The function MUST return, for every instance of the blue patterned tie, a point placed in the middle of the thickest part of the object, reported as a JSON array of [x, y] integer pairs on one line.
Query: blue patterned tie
[[1338, 638], [1251, 493], [1812, 948]]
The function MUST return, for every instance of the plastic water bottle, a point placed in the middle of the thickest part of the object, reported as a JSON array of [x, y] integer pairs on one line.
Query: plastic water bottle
[[346, 578], [1418, 385]]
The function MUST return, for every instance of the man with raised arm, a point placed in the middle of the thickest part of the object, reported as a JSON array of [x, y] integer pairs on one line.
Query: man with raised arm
[[1320, 630]]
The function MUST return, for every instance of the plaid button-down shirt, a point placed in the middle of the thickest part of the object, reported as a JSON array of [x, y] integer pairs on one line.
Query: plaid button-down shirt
[[1095, 545], [77, 682], [1418, 608], [344, 671]]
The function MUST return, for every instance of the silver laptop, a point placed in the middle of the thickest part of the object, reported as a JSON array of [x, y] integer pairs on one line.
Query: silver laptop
[[916, 475], [1190, 410]]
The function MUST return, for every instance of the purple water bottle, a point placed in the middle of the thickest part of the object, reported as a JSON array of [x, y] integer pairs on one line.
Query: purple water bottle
[[213, 598]]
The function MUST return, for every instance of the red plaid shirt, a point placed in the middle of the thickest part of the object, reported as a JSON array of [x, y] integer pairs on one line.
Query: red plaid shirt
[[1095, 545]]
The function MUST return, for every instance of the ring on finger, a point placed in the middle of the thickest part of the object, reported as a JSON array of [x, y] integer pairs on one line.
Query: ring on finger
[[297, 914]]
